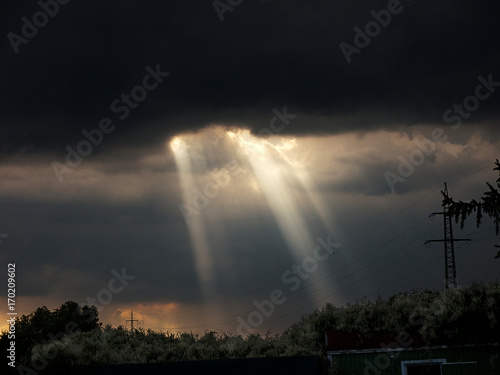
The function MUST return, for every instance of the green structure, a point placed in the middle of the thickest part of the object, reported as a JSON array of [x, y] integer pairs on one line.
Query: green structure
[[462, 360]]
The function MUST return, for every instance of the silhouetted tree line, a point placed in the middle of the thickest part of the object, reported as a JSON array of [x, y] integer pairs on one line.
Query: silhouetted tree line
[[457, 316], [461, 316], [43, 326]]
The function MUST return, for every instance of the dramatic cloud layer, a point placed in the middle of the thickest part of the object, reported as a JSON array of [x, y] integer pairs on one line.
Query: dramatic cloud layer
[[263, 55]]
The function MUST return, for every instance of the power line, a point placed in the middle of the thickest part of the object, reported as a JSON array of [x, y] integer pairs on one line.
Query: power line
[[471, 173], [338, 291], [233, 317], [338, 250], [228, 319], [407, 274]]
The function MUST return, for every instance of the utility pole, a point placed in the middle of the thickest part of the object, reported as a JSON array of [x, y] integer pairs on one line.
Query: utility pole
[[131, 320], [450, 269]]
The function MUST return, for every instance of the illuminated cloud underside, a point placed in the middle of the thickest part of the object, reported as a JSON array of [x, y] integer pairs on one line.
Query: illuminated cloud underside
[[273, 171]]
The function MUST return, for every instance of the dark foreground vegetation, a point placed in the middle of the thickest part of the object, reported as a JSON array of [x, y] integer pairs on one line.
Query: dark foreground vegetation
[[72, 335]]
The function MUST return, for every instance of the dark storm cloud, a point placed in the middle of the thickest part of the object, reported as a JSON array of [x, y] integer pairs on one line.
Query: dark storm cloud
[[91, 239], [68, 247], [263, 55]]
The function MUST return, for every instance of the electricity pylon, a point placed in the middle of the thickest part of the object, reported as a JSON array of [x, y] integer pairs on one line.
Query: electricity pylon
[[131, 320], [450, 268]]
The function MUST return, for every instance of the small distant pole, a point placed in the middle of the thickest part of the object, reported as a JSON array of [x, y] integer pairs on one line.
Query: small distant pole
[[132, 320]]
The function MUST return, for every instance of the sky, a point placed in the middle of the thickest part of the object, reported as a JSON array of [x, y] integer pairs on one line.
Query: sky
[[234, 165]]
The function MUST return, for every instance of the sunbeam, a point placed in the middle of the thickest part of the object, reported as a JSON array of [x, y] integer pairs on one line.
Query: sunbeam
[[271, 170], [199, 241], [277, 180]]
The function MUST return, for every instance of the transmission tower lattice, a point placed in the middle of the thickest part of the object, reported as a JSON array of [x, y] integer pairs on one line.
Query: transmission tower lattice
[[132, 320], [450, 268]]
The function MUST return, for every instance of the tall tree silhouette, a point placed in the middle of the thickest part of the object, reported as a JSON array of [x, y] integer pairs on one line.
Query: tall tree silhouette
[[489, 204], [42, 326]]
